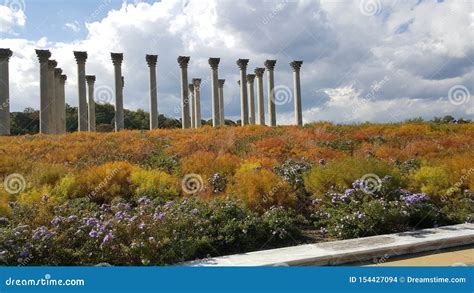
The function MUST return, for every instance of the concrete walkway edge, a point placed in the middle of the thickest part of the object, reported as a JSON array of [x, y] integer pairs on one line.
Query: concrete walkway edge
[[352, 250]]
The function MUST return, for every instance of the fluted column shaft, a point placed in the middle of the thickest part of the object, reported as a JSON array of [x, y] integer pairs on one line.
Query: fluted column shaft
[[57, 98], [221, 101], [192, 104], [81, 58], [251, 94], [296, 66], [43, 57], [185, 116], [260, 99], [91, 102], [270, 65], [5, 55], [52, 97], [151, 61], [62, 105], [244, 110], [197, 101], [117, 59], [214, 62]]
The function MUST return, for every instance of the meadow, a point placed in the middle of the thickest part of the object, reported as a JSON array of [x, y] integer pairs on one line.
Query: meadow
[[170, 195]]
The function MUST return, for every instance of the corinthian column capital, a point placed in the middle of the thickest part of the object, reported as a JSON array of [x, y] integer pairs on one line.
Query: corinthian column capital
[[259, 71], [250, 78], [52, 64], [117, 58], [242, 63], [296, 65], [151, 60], [183, 61], [221, 82], [58, 72], [270, 64], [90, 79], [214, 62], [5, 54], [197, 82], [81, 56], [43, 55]]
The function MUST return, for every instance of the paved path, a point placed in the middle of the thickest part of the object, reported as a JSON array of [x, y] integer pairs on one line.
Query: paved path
[[464, 257], [383, 247]]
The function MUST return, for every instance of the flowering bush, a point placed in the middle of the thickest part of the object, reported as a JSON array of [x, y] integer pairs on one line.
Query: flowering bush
[[140, 233], [356, 212]]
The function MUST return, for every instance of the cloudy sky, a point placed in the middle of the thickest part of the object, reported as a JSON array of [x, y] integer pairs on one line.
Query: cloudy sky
[[369, 60]]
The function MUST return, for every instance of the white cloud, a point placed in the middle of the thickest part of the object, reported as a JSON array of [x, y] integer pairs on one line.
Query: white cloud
[[10, 18], [345, 54], [73, 26]]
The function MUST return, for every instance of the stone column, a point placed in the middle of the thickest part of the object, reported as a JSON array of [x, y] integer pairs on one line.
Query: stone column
[[192, 105], [251, 94], [81, 58], [117, 59], [260, 100], [197, 101], [214, 62], [185, 117], [5, 55], [43, 57], [62, 105], [57, 98], [221, 101], [151, 61], [91, 102], [296, 66], [52, 97], [270, 65], [244, 107]]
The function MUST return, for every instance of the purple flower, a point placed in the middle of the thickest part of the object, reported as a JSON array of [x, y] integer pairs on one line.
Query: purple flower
[[42, 233], [143, 201], [415, 198], [158, 216], [120, 214], [3, 220], [141, 226], [94, 234], [322, 162], [91, 222], [55, 221], [107, 238], [72, 218], [24, 253]]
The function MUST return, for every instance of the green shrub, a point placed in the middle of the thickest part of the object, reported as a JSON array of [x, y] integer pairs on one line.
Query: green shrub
[[339, 175], [431, 180]]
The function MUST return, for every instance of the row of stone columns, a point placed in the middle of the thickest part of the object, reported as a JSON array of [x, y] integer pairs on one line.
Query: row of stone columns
[[52, 93], [247, 95]]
